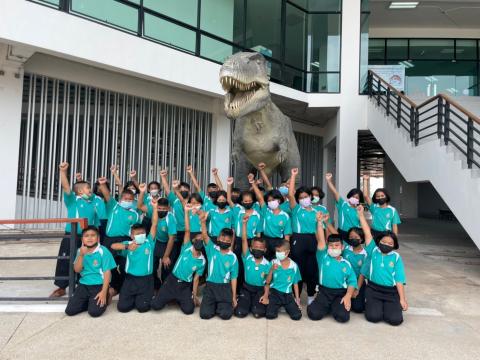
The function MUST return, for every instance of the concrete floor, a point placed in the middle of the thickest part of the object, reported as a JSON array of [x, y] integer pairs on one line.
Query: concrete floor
[[443, 291]]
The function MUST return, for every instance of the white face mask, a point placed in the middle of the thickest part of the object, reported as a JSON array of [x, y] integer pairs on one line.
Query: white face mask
[[305, 202], [353, 201], [154, 192], [334, 253], [280, 255], [274, 204]]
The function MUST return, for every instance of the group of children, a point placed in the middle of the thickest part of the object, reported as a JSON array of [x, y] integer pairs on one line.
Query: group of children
[[252, 249]]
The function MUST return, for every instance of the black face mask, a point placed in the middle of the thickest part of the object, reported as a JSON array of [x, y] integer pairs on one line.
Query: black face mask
[[385, 248], [381, 201], [184, 194], [353, 242], [91, 246], [257, 254], [212, 194], [223, 245], [247, 206], [236, 199], [197, 244], [222, 204], [162, 214]]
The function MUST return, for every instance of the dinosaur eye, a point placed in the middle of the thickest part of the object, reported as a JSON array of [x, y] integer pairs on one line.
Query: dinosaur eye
[[258, 62]]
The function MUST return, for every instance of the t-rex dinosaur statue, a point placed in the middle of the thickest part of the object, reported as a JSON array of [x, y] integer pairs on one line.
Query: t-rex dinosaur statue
[[262, 132]]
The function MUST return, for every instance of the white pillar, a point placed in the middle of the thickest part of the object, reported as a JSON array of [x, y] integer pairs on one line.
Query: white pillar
[[11, 85], [220, 148]]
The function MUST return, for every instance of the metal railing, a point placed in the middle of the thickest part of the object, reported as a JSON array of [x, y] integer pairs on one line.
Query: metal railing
[[42, 236], [439, 116]]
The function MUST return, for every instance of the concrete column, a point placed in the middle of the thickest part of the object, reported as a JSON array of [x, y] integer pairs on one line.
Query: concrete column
[[11, 86], [221, 134]]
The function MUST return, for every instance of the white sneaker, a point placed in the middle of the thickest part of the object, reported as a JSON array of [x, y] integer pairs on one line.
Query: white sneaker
[[310, 299]]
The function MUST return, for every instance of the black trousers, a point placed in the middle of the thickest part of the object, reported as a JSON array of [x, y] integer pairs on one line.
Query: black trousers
[[358, 304], [382, 303], [158, 254], [303, 252], [278, 299], [136, 292], [176, 290], [249, 301], [63, 266], [217, 300], [327, 302], [83, 299], [118, 274], [271, 243]]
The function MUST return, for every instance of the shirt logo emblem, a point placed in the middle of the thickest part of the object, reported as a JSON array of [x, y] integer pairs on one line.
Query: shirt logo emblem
[[262, 275], [194, 268], [391, 264], [344, 269], [280, 223], [328, 263], [147, 251], [289, 279], [227, 264], [164, 228], [360, 262], [388, 216], [95, 262], [130, 217]]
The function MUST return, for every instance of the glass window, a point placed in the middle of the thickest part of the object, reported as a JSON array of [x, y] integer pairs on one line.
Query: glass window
[[466, 49], [397, 49], [264, 32], [294, 78], [224, 18], [295, 37], [184, 10], [431, 49], [376, 49], [364, 27], [323, 83], [108, 11], [50, 2], [169, 33], [215, 50], [323, 42], [319, 5]]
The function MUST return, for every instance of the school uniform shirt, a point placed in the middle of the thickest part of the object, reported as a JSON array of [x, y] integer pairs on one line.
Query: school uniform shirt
[[285, 206], [304, 221], [276, 225], [333, 273], [221, 267], [219, 220], [347, 215], [187, 265], [254, 223], [166, 226], [207, 202], [78, 208], [284, 279], [383, 218], [95, 264], [120, 219], [140, 261], [100, 207], [323, 209], [355, 259], [178, 211], [255, 274], [384, 270]]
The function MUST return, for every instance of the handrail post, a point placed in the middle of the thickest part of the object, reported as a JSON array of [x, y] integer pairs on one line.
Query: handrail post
[[399, 111], [73, 250], [369, 83], [141, 17], [417, 126], [446, 125], [412, 123], [379, 86], [470, 143], [440, 117], [388, 101]]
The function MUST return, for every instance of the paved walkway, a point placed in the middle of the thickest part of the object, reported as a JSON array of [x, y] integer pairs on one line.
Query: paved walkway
[[443, 271]]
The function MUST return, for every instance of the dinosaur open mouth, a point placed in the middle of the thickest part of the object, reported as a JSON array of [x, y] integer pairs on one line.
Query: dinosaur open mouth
[[238, 92]]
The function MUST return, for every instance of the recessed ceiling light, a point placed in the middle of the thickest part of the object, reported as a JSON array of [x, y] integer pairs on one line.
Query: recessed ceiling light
[[403, 5]]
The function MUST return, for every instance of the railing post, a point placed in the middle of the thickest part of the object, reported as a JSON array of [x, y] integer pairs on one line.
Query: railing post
[[470, 143], [388, 101], [399, 111], [141, 17], [412, 123], [73, 251], [417, 125], [379, 86], [369, 84], [446, 123], [440, 117], [64, 5]]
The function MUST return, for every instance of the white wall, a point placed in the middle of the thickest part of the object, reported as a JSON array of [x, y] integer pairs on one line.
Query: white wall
[[423, 33]]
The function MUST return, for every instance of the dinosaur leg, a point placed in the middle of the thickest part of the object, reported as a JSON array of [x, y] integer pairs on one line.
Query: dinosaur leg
[[242, 169]]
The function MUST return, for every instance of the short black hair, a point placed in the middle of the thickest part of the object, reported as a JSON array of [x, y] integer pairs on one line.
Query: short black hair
[[302, 189], [277, 195], [248, 193], [212, 185], [320, 191], [383, 190], [358, 231], [91, 228], [260, 240], [218, 194], [96, 188], [197, 197], [388, 233], [358, 192], [236, 190], [184, 184], [283, 244], [78, 184], [127, 192], [334, 238], [226, 232], [153, 183], [261, 188], [131, 183], [193, 234], [137, 227], [163, 202]]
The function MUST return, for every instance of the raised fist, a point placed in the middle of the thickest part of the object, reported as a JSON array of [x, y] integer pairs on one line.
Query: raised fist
[[328, 176], [176, 184], [189, 169], [230, 181], [360, 209], [214, 171], [294, 171], [78, 176], [63, 166], [142, 187], [261, 166], [133, 173], [114, 168], [163, 173], [102, 180]]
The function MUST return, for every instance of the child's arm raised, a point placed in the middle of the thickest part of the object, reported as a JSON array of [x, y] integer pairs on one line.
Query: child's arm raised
[[133, 177], [165, 184], [140, 203], [218, 181], [229, 192], [153, 228], [366, 189], [263, 175], [103, 188], [186, 237], [175, 187], [256, 190], [193, 178], [64, 178], [320, 233], [331, 186], [116, 178], [244, 234], [364, 225], [203, 215], [291, 188]]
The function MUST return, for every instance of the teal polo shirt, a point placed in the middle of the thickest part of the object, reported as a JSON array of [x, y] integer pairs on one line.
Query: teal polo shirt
[[255, 274], [95, 264], [304, 221], [383, 218], [355, 259], [284, 279], [254, 223], [385, 270], [78, 208], [218, 220], [100, 207], [187, 265], [120, 220], [285, 206], [222, 268], [347, 215], [140, 261], [333, 273], [178, 211], [276, 225], [166, 227]]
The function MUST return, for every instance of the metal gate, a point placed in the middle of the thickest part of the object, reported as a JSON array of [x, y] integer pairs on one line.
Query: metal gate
[[92, 129]]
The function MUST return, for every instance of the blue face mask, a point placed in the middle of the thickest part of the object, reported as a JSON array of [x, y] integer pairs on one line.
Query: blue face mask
[[86, 197], [126, 204], [283, 190], [280, 255], [140, 238]]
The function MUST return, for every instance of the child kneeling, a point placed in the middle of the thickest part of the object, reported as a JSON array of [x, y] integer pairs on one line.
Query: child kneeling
[[94, 263]]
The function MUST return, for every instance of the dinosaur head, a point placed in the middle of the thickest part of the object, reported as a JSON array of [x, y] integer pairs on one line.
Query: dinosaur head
[[245, 79]]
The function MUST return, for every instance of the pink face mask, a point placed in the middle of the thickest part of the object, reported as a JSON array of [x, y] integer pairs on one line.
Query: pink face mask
[[353, 201]]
